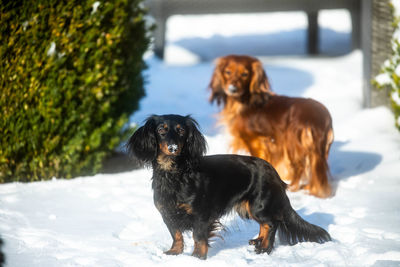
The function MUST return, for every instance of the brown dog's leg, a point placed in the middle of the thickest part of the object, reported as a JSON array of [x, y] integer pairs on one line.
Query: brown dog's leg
[[298, 173], [319, 185], [177, 245]]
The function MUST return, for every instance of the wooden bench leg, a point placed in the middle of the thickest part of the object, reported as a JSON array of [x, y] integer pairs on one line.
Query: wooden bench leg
[[312, 34], [159, 37]]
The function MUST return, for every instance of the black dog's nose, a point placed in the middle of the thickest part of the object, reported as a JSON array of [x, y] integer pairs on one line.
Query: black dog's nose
[[173, 148]]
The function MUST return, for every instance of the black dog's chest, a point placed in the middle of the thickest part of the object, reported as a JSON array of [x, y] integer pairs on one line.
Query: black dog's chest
[[172, 201]]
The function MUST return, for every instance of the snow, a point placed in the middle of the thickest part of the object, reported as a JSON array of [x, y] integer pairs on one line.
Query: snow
[[110, 220], [396, 5], [395, 97], [52, 49], [95, 6], [383, 79], [396, 34]]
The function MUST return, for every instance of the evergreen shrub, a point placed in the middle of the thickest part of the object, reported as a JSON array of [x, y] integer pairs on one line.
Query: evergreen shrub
[[70, 75]]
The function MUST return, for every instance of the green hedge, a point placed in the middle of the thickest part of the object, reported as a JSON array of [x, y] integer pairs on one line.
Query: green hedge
[[70, 77], [390, 72]]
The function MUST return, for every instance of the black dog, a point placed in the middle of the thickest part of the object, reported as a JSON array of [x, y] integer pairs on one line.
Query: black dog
[[193, 191]]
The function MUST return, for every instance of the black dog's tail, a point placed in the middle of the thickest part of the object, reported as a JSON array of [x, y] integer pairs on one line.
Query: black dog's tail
[[293, 229]]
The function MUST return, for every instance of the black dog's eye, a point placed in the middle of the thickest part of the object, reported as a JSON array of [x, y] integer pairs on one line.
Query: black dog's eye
[[180, 131], [162, 130]]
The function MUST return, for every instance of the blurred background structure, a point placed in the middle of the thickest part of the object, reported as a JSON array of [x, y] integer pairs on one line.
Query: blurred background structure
[[371, 22]]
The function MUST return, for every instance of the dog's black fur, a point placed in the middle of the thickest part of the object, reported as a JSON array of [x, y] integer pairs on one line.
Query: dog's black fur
[[193, 191]]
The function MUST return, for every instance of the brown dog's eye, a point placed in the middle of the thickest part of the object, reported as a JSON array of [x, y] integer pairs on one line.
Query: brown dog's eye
[[245, 74], [228, 72]]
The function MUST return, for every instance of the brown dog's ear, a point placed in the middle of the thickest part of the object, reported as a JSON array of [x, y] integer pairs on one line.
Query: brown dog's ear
[[259, 81], [217, 82], [259, 88]]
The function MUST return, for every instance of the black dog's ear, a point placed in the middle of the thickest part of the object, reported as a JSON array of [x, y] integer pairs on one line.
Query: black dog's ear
[[143, 142], [196, 145]]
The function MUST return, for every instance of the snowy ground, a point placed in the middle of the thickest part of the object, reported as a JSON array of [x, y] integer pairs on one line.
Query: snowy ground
[[110, 220]]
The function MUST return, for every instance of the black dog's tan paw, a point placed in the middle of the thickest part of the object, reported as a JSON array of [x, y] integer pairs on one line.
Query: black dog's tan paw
[[255, 242], [173, 252], [199, 255], [200, 249], [260, 250]]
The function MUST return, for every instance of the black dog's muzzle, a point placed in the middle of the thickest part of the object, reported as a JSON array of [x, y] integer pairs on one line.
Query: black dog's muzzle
[[172, 148]]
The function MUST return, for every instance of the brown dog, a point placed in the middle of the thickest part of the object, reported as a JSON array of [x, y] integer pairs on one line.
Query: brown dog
[[293, 134]]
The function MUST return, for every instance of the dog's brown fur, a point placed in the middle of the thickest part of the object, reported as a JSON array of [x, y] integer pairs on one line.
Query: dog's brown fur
[[293, 134]]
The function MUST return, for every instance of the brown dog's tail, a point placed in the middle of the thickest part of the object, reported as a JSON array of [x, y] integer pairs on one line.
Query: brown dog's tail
[[293, 229]]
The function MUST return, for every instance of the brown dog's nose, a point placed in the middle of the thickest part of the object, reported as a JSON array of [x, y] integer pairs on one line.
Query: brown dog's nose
[[232, 89]]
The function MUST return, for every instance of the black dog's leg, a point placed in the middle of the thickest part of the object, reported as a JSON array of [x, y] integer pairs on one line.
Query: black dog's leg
[[176, 234], [268, 239], [200, 236], [177, 244], [257, 241]]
